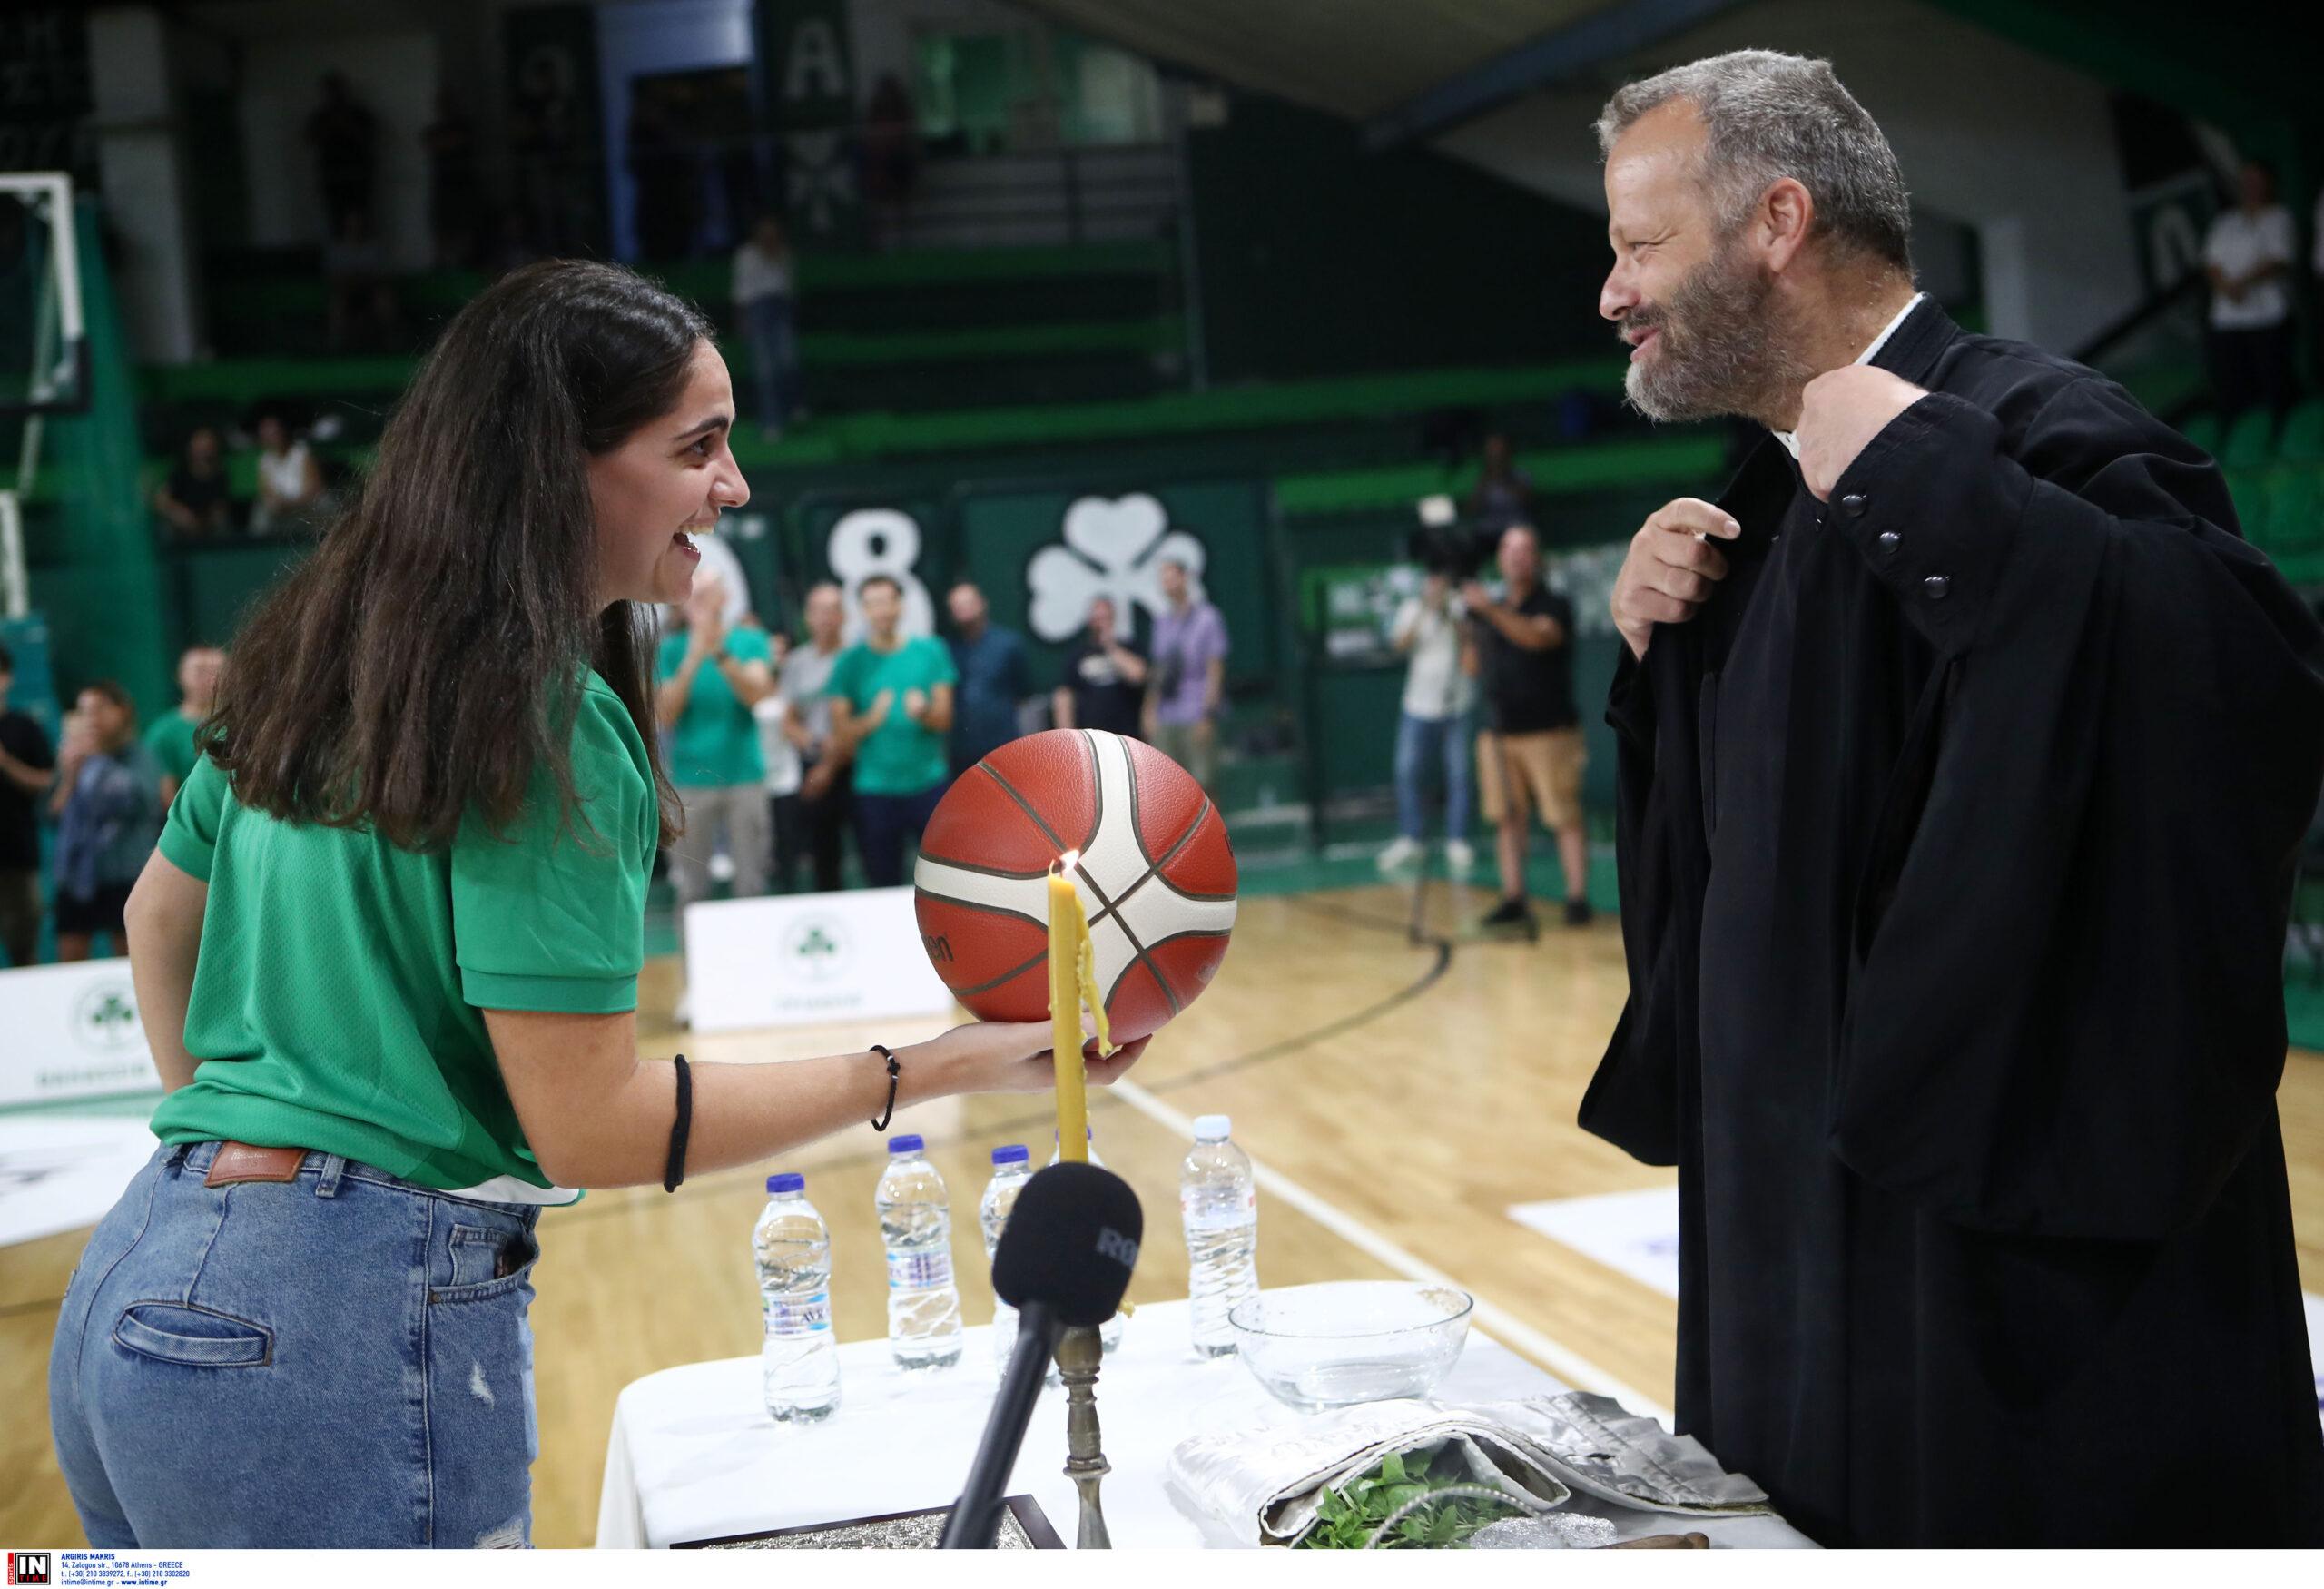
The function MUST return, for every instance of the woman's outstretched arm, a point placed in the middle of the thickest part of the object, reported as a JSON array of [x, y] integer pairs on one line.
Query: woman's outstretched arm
[[596, 1115]]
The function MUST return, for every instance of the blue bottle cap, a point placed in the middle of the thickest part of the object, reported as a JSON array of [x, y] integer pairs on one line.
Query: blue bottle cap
[[786, 1182], [1013, 1154], [908, 1143]]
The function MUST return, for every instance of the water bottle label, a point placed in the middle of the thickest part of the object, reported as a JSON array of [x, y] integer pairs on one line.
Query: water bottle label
[[788, 1315], [920, 1271], [1203, 1215]]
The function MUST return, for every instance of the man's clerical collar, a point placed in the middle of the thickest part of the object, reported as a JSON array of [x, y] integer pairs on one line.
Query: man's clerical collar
[[1790, 440]]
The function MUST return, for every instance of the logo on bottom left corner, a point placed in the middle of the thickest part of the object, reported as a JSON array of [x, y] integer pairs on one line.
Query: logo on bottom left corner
[[28, 1567]]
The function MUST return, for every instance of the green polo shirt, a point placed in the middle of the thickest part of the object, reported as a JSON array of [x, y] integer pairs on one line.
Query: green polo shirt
[[172, 739], [717, 740], [337, 999], [900, 757]]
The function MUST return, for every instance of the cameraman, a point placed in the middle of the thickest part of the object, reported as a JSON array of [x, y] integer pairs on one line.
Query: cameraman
[[1530, 754], [1433, 724]]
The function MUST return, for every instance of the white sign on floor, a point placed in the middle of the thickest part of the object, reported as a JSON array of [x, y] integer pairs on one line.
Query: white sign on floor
[[63, 1171], [71, 1031], [1635, 1232], [804, 959]]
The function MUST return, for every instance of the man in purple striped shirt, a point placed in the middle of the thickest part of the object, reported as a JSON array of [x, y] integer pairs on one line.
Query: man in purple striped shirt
[[1188, 678]]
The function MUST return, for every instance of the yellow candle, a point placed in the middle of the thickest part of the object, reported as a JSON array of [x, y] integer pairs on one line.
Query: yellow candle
[[1068, 932]]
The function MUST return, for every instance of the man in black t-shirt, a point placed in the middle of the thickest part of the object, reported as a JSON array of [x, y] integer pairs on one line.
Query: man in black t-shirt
[[27, 766], [1530, 755], [194, 499], [1104, 682]]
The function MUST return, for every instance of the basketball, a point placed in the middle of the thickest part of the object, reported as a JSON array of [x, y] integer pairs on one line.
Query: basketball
[[1157, 877]]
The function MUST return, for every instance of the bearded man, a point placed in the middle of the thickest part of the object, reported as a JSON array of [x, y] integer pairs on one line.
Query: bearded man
[[1965, 745]]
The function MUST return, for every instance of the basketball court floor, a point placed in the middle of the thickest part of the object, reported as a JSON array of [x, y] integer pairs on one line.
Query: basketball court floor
[[1403, 1091]]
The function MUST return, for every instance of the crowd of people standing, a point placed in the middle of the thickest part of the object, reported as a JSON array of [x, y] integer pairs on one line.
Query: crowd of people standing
[[782, 752], [105, 785]]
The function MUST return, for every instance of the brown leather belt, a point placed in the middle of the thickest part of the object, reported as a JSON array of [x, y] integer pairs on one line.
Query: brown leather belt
[[238, 1162]]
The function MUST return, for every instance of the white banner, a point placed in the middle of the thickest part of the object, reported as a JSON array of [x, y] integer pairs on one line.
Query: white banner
[[805, 959], [71, 1031]]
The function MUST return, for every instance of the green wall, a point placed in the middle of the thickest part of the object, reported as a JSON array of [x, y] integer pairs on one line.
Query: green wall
[[1318, 258], [92, 567]]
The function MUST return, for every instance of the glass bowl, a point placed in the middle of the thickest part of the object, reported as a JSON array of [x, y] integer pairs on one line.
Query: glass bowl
[[1348, 1341]]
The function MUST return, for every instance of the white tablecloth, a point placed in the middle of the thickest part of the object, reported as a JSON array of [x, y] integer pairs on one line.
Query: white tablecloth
[[693, 1454]]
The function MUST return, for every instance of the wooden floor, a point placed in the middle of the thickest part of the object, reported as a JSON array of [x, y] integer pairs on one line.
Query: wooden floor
[[1419, 1102]]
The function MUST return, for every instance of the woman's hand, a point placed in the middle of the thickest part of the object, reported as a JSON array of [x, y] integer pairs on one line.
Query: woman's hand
[[1002, 1056]]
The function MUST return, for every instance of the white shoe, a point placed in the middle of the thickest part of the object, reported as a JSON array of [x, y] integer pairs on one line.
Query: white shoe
[[684, 1014], [1459, 858], [1403, 851]]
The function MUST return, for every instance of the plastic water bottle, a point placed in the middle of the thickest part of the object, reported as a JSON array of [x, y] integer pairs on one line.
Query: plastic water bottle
[[1011, 1168], [916, 1227], [1218, 1199], [799, 1364], [1109, 1334]]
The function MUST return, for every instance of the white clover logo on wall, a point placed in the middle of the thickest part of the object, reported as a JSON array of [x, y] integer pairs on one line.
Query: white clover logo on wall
[[104, 1018], [1111, 547], [817, 949]]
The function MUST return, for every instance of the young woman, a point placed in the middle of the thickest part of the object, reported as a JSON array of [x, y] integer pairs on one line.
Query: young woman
[[387, 960], [290, 478]]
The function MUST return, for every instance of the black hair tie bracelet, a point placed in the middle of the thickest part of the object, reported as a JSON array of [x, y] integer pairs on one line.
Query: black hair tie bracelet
[[894, 1070], [680, 1128]]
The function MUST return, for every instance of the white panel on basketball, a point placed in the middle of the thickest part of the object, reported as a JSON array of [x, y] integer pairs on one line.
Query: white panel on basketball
[[1146, 909]]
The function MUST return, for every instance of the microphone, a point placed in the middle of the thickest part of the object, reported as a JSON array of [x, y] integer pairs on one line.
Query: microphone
[[1064, 1259]]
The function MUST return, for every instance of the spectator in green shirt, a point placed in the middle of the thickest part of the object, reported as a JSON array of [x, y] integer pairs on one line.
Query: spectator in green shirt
[[386, 958], [891, 708], [172, 734], [710, 677]]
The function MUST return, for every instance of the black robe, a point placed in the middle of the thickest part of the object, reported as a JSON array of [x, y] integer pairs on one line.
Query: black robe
[[1955, 835]]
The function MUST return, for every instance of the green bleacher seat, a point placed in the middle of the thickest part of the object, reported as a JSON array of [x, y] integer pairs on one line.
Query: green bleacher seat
[[2203, 431], [2295, 507], [2250, 488], [2302, 440], [2251, 441]]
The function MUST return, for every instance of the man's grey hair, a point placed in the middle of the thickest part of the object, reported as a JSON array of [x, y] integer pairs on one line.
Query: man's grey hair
[[1769, 115]]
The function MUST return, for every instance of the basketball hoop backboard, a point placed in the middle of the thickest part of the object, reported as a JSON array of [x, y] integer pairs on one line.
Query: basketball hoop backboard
[[42, 367]]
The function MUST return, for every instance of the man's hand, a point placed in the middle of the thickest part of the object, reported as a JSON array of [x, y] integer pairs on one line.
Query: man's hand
[[1475, 596], [1839, 414], [878, 712], [1671, 569]]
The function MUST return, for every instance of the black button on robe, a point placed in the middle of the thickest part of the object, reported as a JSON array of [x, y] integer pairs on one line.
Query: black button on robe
[[1955, 836]]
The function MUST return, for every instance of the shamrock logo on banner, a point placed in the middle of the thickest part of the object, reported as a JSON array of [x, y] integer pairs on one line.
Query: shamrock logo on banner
[[1113, 547]]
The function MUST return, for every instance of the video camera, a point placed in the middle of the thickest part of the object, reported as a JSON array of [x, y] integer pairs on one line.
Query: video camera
[[1445, 544]]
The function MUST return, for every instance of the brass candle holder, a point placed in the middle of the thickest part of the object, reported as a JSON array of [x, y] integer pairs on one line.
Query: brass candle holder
[[1078, 1353]]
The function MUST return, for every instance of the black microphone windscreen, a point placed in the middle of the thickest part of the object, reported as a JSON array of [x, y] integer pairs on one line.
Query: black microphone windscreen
[[1072, 1242]]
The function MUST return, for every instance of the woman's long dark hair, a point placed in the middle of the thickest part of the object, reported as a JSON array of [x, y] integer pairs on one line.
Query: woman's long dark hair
[[427, 661]]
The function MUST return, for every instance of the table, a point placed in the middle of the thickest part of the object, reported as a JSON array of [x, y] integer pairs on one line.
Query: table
[[694, 1456]]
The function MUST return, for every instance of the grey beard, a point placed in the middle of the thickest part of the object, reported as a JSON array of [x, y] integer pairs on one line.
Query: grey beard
[[1721, 353]]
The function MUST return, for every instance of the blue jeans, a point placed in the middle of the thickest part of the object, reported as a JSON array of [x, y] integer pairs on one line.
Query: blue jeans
[[1419, 741], [339, 1361], [773, 351], [882, 823]]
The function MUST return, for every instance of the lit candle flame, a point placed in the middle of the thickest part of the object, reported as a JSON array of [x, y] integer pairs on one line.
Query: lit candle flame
[[1068, 860]]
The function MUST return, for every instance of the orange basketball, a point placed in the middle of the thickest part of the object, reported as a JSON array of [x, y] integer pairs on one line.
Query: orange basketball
[[1157, 877]]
